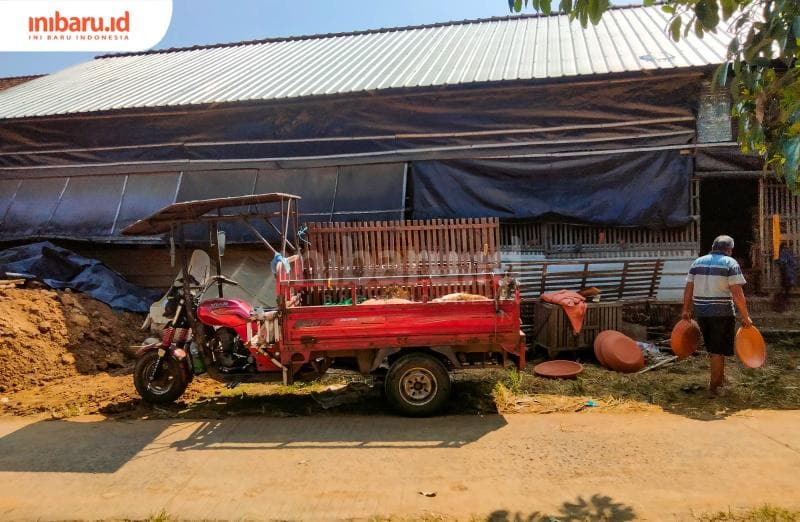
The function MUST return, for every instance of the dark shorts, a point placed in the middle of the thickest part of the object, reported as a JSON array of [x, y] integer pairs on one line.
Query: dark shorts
[[718, 334]]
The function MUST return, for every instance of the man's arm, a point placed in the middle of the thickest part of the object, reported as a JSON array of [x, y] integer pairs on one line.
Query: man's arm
[[687, 300], [741, 304]]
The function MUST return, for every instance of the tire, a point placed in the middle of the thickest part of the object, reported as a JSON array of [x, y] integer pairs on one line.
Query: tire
[[168, 386], [417, 385]]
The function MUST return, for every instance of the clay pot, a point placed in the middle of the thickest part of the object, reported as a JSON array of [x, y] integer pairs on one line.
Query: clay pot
[[685, 338], [620, 353], [558, 369], [598, 353], [750, 347]]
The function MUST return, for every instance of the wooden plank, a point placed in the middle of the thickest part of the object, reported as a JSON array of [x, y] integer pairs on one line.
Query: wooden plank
[[392, 230], [372, 246], [436, 256], [380, 234], [428, 251], [323, 242], [419, 235]]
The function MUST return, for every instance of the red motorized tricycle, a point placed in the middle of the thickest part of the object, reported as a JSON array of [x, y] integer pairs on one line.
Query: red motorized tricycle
[[410, 344]]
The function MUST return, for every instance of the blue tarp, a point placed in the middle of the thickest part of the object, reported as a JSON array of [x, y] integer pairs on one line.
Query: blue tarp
[[61, 268], [648, 189]]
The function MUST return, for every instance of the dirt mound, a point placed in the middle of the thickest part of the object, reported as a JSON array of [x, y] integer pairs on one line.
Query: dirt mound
[[47, 335]]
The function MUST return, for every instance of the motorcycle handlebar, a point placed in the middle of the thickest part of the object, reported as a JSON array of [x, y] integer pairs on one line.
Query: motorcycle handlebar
[[221, 279]]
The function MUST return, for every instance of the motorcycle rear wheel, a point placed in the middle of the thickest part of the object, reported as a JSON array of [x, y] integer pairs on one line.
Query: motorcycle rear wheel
[[167, 386]]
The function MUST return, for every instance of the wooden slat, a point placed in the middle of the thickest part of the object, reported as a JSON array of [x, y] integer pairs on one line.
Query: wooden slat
[[775, 198], [632, 279], [421, 247], [560, 239]]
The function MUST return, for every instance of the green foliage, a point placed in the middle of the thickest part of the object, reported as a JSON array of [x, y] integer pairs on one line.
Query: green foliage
[[762, 70], [515, 380]]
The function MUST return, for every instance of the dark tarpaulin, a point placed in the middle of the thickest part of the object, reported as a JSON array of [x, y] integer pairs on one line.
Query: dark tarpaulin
[[99, 207], [643, 189], [343, 154], [726, 159], [61, 268], [428, 123]]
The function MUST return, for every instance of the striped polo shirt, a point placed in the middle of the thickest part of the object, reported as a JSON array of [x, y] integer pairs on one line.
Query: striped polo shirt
[[713, 275]]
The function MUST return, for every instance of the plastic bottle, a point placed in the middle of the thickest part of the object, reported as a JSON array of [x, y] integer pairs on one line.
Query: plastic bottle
[[197, 359]]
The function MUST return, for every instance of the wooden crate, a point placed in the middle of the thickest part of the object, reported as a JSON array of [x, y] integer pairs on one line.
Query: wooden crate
[[381, 251], [553, 330], [386, 248]]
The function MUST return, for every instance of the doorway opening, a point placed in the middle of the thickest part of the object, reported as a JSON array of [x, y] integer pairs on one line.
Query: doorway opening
[[730, 206]]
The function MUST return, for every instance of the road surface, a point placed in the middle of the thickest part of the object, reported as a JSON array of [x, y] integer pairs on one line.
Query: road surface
[[652, 466]]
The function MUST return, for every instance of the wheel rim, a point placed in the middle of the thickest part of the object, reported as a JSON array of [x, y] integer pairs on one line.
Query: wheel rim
[[164, 382], [418, 386]]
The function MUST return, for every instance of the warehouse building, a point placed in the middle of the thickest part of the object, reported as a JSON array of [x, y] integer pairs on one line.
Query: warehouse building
[[597, 143]]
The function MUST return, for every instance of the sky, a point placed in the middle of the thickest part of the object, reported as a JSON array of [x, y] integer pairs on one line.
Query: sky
[[213, 21]]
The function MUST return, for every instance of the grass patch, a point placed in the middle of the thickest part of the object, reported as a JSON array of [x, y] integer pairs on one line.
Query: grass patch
[[679, 388], [162, 516], [765, 513], [515, 380]]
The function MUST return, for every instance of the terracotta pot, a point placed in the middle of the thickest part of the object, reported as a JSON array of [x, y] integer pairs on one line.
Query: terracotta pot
[[750, 347], [598, 353], [685, 338], [604, 339], [558, 369], [621, 353]]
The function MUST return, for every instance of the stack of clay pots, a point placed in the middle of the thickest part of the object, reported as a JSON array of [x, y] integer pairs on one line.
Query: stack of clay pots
[[616, 351]]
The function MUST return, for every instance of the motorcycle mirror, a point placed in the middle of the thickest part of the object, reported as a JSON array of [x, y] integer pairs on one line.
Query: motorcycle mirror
[[221, 242]]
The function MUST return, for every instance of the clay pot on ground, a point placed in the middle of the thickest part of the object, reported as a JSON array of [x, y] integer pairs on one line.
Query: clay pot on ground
[[558, 369], [598, 353], [618, 352]]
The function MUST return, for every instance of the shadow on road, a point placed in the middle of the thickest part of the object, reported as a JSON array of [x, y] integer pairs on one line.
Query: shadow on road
[[339, 432], [76, 447], [598, 508], [469, 397], [105, 446]]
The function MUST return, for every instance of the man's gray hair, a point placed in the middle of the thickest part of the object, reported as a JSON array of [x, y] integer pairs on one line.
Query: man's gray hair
[[722, 243]]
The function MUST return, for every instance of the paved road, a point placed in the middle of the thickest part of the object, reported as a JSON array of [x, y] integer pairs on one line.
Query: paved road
[[643, 466]]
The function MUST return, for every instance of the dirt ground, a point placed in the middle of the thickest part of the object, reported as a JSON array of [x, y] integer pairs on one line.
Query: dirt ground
[[47, 335], [65, 354]]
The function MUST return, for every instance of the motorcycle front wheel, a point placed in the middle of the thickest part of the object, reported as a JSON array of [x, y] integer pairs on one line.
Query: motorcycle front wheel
[[162, 386]]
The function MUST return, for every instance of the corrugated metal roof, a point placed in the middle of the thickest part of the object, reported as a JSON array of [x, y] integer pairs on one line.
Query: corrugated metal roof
[[491, 50]]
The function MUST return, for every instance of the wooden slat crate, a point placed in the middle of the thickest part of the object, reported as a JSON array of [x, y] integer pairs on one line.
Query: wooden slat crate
[[554, 332], [564, 241], [374, 250], [619, 281], [632, 279], [438, 246]]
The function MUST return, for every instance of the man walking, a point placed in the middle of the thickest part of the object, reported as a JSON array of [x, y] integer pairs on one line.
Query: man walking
[[714, 286]]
